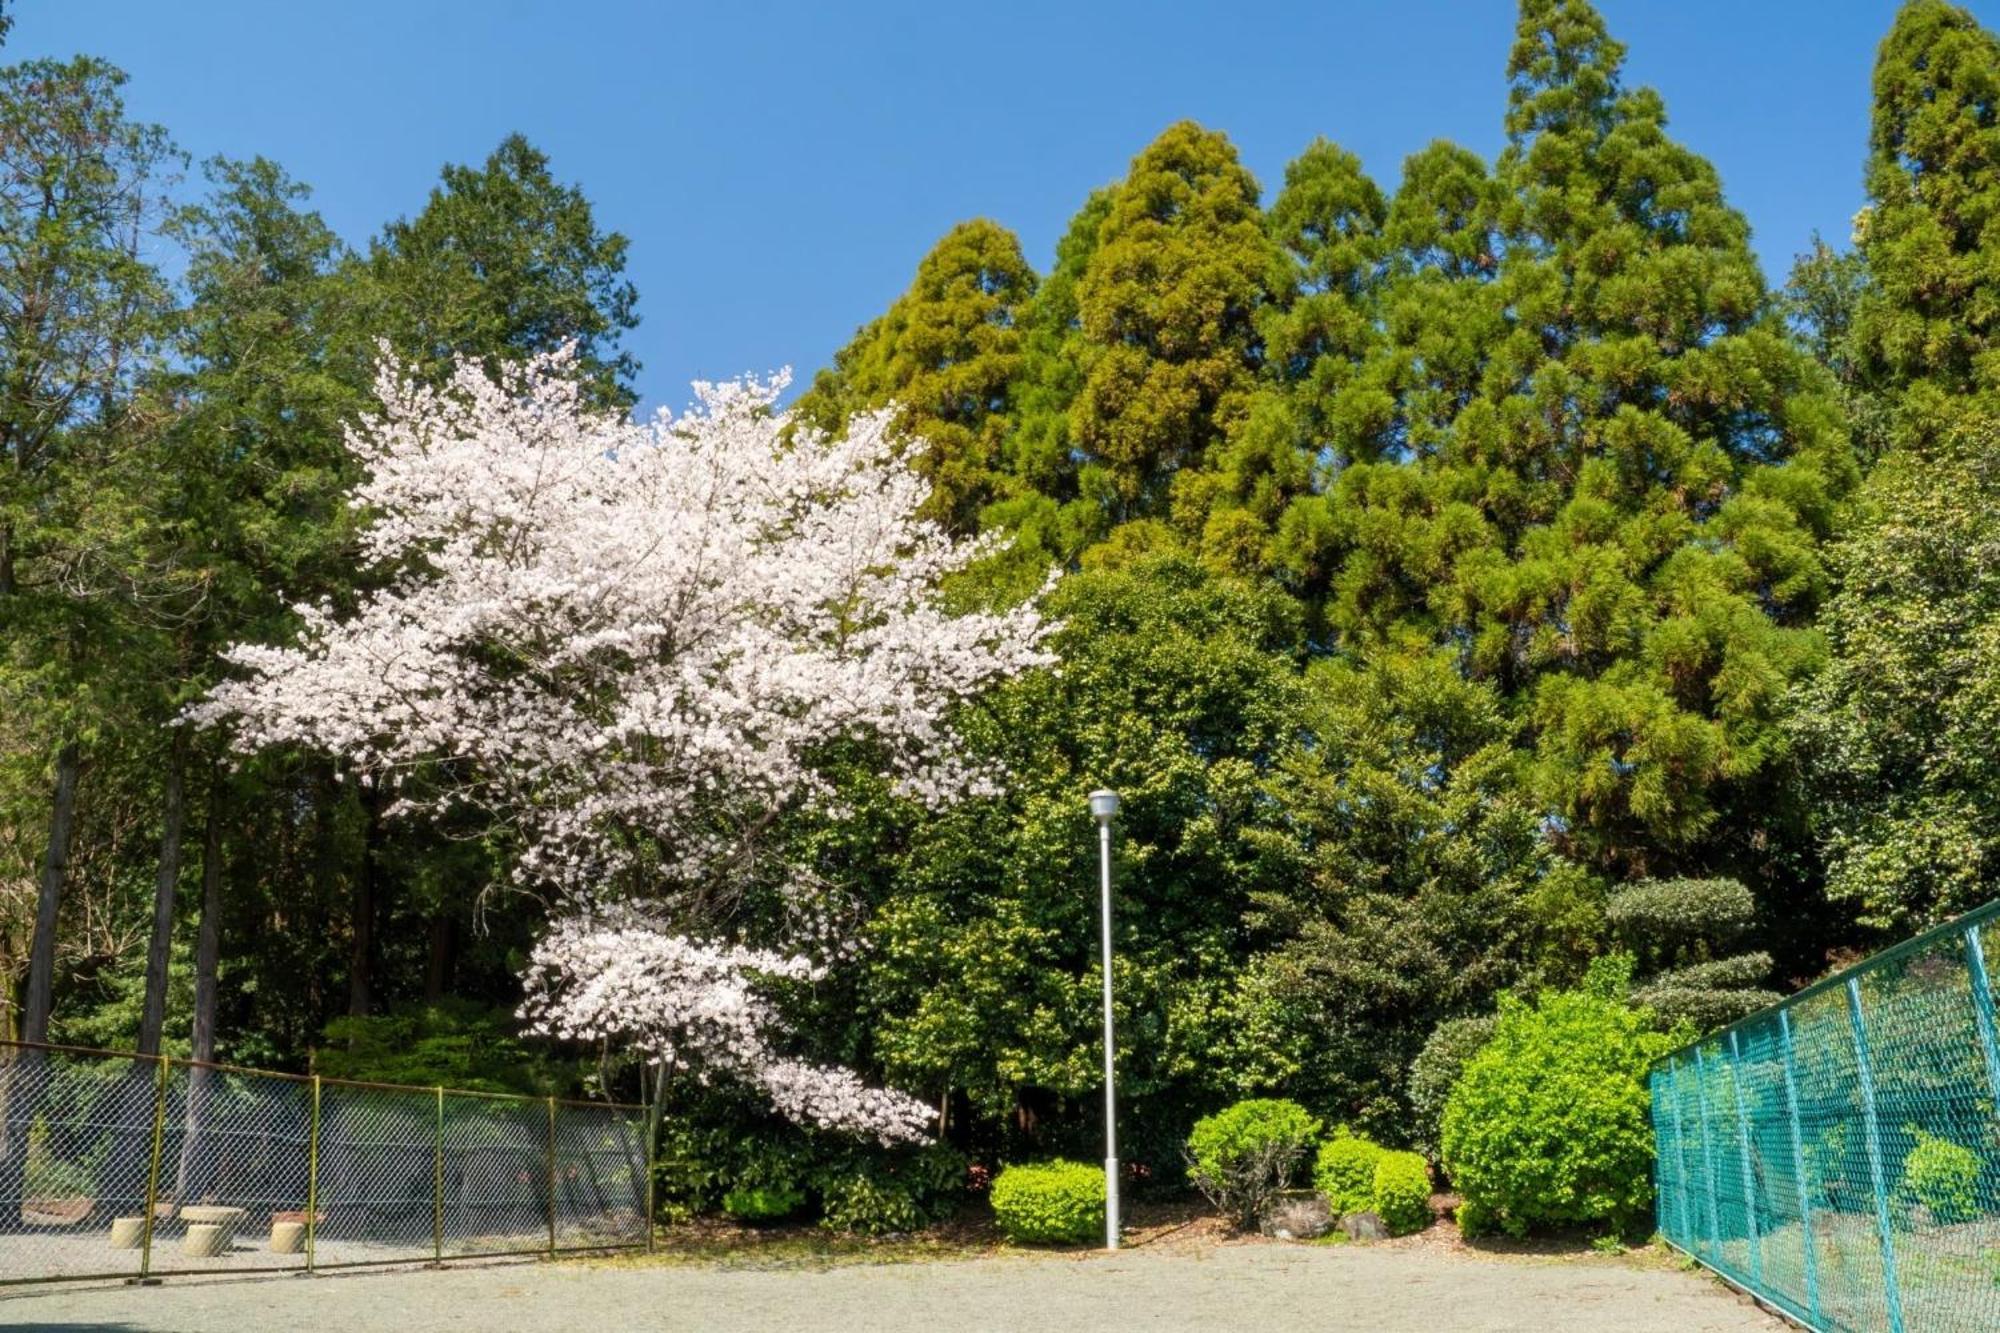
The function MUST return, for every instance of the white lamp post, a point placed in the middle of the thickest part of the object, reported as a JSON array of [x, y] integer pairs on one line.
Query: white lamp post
[[1104, 806]]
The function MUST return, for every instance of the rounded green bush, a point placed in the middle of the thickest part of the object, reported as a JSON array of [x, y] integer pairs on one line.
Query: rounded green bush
[[1435, 1072], [1944, 1177], [1548, 1125], [1345, 1171], [1245, 1154], [1402, 1192], [1050, 1203]]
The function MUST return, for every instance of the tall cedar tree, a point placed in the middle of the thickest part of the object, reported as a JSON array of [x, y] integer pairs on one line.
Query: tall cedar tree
[[948, 353], [1611, 506], [1928, 324], [1166, 308]]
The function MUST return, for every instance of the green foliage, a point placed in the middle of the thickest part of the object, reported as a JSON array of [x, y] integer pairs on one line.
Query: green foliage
[[756, 1204], [1244, 1155], [1344, 1171], [452, 1044], [1400, 1194], [948, 354], [1677, 928], [1050, 1203], [1548, 1126], [1898, 725], [1434, 1073], [876, 1193], [1943, 1176]]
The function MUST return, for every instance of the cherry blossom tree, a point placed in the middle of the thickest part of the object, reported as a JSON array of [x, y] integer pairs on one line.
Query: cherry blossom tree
[[635, 645]]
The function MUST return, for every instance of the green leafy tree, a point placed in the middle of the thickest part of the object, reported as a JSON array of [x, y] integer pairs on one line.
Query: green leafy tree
[[1899, 725], [1682, 933], [948, 354]]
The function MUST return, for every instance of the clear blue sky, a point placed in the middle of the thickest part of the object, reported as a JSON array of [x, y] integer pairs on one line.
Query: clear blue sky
[[780, 168]]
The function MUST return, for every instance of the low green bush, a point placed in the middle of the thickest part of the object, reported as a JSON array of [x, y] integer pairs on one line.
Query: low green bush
[[872, 1193], [1548, 1125], [1050, 1203], [762, 1203], [1942, 1176], [1401, 1192], [1434, 1073], [1345, 1171], [1246, 1154]]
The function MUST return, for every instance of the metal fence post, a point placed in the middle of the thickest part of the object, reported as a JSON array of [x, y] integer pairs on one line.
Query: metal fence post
[[312, 1176], [1707, 1156], [1865, 1076], [1982, 1009], [437, 1188], [153, 1168], [552, 1177], [652, 1169], [1743, 1151], [1799, 1166], [1680, 1147]]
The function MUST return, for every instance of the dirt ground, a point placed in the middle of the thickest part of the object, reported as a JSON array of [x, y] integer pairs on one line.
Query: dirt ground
[[1173, 1275]]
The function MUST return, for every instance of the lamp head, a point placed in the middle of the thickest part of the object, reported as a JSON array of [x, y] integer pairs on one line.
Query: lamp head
[[1103, 804]]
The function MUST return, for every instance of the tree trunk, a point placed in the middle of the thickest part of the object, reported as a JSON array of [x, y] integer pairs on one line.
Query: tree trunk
[[166, 886], [208, 945], [437, 969], [55, 870], [367, 895]]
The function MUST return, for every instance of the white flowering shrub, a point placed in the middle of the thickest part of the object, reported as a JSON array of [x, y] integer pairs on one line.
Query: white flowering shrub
[[630, 643]]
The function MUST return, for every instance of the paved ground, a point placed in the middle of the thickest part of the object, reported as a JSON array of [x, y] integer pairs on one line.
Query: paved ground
[[1257, 1286]]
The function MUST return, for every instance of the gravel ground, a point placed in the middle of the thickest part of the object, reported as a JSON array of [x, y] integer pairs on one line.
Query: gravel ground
[[1263, 1286]]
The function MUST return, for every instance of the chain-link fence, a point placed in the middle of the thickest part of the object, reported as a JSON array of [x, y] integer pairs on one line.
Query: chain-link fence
[[1839, 1155], [128, 1166]]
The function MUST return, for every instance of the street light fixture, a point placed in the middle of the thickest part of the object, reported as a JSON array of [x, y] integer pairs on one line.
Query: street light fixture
[[1104, 808]]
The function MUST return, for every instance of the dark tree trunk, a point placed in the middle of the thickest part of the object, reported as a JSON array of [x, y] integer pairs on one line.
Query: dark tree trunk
[[55, 871], [437, 969], [367, 903], [208, 944], [166, 887]]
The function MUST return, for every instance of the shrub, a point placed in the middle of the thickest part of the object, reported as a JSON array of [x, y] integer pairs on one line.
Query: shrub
[[1242, 1156], [762, 1203], [1402, 1192], [872, 1193], [1548, 1124], [1345, 1171], [1942, 1176], [1050, 1203], [1435, 1072]]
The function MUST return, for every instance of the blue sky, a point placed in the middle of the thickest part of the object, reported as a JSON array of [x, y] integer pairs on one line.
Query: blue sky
[[780, 168]]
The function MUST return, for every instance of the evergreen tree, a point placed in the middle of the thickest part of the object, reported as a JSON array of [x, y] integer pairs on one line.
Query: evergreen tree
[[504, 261], [948, 353], [1166, 307], [1929, 322], [1620, 487], [1314, 411]]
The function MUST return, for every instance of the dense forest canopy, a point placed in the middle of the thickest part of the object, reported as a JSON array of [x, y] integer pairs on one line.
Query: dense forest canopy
[[1461, 578]]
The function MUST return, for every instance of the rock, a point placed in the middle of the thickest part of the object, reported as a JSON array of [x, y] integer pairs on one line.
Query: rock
[[1296, 1217], [1364, 1226]]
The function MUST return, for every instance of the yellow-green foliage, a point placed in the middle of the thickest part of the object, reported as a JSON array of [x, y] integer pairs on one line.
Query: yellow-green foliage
[[1050, 1203], [1944, 1177], [1345, 1171], [1401, 1192]]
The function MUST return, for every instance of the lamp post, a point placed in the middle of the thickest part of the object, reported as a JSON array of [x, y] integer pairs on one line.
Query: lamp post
[[1104, 807]]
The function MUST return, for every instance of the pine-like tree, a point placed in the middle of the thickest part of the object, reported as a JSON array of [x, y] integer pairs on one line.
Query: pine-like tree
[[948, 353], [1928, 324]]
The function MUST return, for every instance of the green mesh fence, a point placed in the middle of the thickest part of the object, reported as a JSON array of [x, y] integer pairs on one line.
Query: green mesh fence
[[1839, 1155], [120, 1166]]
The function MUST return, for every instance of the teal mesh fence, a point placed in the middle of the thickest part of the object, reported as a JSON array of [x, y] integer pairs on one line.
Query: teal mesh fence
[[1838, 1155], [116, 1165]]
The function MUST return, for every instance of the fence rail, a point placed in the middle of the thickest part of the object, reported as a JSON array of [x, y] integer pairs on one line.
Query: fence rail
[[127, 1166], [1838, 1155]]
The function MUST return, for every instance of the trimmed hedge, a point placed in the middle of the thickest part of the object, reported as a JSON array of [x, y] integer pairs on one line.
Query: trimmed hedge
[[1401, 1192], [1345, 1171], [1244, 1155], [1050, 1203]]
